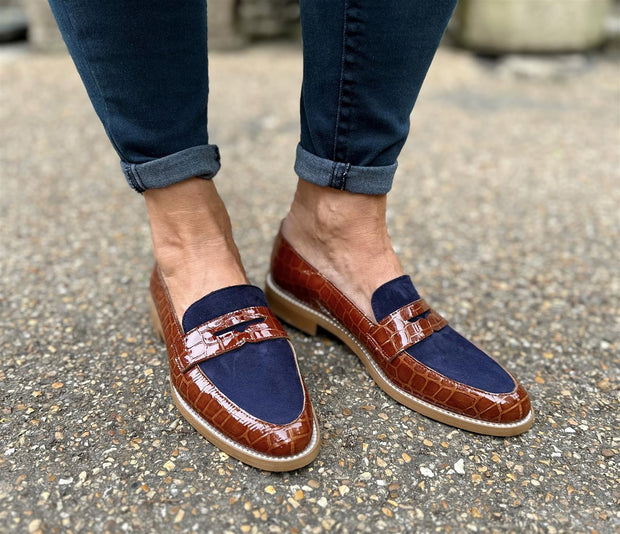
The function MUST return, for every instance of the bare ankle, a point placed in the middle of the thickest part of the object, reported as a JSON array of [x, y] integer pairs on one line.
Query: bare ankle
[[335, 211], [187, 213], [193, 241], [344, 235], [327, 216]]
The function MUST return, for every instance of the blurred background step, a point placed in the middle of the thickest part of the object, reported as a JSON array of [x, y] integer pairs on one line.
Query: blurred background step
[[13, 23], [532, 26]]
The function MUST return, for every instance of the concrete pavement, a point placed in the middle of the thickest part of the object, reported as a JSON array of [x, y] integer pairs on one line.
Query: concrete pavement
[[505, 212]]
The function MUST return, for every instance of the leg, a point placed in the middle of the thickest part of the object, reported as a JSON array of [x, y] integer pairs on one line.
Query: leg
[[333, 265], [355, 109], [145, 70], [234, 374]]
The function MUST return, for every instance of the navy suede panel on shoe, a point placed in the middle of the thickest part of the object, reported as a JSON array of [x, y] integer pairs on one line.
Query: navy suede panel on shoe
[[261, 378], [393, 295], [446, 351], [222, 301]]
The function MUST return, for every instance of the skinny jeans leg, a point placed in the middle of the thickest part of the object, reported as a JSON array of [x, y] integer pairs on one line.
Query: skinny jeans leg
[[364, 64], [144, 66]]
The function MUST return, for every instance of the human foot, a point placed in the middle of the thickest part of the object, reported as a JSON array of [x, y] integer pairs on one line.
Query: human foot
[[344, 236], [192, 241]]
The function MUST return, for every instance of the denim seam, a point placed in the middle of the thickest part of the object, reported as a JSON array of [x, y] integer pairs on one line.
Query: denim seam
[[130, 173], [344, 176], [339, 174], [136, 176], [130, 177], [340, 87], [108, 130], [346, 100]]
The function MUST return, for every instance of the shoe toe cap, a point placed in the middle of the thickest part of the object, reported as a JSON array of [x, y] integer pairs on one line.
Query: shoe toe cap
[[507, 408]]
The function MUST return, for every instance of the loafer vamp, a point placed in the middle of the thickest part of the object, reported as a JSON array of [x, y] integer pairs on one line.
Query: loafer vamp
[[242, 427], [263, 379]]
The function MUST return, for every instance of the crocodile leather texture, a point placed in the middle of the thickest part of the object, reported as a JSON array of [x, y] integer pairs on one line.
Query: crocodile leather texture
[[396, 333], [186, 351], [387, 341], [208, 341]]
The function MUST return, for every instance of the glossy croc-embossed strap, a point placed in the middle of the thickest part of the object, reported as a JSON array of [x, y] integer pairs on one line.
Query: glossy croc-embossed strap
[[396, 332], [208, 341]]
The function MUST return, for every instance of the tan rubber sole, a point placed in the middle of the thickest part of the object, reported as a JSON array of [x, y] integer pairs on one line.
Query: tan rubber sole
[[231, 447], [306, 319]]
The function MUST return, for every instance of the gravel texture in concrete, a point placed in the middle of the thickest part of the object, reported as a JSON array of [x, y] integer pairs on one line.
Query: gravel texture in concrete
[[505, 212]]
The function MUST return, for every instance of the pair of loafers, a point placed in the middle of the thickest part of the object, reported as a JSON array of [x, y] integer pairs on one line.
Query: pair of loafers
[[235, 378]]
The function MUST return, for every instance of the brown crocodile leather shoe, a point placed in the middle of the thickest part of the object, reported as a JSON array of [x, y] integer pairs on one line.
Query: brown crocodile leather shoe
[[408, 349], [234, 376]]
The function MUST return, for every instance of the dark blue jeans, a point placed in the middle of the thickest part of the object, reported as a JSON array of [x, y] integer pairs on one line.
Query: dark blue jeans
[[144, 65]]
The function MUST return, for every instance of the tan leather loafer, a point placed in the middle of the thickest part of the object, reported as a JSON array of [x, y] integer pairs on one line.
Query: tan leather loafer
[[410, 351], [235, 379]]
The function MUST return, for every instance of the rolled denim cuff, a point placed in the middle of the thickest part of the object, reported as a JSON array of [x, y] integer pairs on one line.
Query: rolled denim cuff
[[344, 176], [200, 161]]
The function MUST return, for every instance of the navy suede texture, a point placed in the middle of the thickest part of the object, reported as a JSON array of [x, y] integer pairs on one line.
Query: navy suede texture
[[220, 302], [261, 378], [446, 351]]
